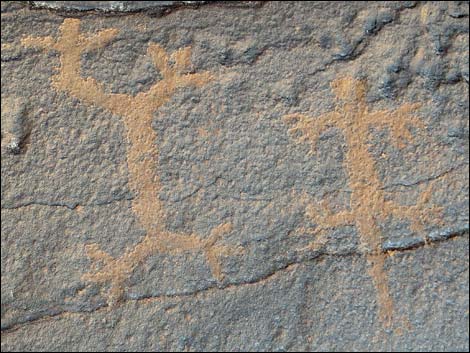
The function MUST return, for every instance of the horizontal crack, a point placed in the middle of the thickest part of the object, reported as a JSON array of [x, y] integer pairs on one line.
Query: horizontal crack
[[417, 242], [421, 181], [69, 205], [404, 246], [55, 312]]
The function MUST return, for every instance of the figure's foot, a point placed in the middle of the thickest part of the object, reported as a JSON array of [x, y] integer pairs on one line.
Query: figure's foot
[[106, 269], [213, 251]]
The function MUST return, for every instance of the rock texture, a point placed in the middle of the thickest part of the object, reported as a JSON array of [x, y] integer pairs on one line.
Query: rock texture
[[263, 177], [113, 6]]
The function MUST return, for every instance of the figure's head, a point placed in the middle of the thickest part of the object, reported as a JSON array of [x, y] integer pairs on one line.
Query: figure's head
[[349, 89]]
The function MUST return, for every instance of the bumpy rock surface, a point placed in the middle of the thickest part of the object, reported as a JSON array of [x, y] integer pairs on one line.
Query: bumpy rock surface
[[279, 176]]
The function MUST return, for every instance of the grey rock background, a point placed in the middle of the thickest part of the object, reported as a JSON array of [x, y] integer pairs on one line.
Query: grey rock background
[[225, 154], [109, 6]]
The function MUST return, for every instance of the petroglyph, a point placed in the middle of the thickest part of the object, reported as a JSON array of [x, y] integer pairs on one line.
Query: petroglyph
[[137, 112], [368, 203]]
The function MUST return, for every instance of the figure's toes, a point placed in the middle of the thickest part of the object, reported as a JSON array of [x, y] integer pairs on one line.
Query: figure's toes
[[427, 216], [435, 215]]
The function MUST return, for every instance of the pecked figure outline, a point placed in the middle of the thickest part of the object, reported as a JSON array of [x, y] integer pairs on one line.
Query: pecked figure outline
[[137, 113], [368, 202], [367, 205]]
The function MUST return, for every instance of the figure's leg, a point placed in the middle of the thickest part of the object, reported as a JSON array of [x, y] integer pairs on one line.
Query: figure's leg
[[419, 214], [213, 251], [324, 218], [115, 271]]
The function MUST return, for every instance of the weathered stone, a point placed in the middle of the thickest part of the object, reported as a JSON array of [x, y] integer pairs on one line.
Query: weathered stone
[[291, 176], [132, 6], [114, 6]]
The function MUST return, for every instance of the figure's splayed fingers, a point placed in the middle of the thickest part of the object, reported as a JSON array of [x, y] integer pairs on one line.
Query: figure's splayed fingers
[[99, 40], [159, 58], [182, 59]]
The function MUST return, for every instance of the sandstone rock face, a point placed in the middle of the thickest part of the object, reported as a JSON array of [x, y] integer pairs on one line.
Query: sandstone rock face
[[263, 177]]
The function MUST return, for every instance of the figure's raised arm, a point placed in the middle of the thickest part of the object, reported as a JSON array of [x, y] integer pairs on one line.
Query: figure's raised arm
[[39, 42], [99, 40], [398, 121], [173, 76], [71, 45]]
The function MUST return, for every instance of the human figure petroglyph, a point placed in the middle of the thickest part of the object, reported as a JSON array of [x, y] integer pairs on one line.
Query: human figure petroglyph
[[137, 113], [368, 202]]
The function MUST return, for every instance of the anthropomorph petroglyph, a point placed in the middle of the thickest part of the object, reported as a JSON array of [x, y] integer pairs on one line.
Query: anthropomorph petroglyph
[[368, 204], [137, 112]]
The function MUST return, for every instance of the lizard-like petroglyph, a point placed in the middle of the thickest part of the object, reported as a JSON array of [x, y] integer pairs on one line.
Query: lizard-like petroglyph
[[368, 203], [137, 113]]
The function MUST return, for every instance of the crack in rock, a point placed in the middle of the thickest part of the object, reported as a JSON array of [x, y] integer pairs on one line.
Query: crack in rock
[[68, 205], [399, 246]]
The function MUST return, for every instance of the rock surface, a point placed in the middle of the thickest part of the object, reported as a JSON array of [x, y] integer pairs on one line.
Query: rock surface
[[287, 176], [112, 6]]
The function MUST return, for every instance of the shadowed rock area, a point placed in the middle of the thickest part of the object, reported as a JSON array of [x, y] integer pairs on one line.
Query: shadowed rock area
[[113, 6], [255, 176]]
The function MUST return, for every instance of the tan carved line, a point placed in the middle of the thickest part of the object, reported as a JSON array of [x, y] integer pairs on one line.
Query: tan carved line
[[368, 203], [137, 113]]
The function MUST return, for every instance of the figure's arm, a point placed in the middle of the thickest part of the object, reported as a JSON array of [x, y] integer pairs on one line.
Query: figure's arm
[[71, 45], [398, 121], [39, 42], [307, 129], [98, 40], [173, 76], [325, 218]]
